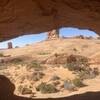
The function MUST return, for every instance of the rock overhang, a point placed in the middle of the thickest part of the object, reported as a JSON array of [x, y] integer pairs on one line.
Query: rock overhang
[[34, 16]]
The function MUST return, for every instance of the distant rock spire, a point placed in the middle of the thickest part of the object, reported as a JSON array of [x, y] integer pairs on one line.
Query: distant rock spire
[[54, 34], [10, 46]]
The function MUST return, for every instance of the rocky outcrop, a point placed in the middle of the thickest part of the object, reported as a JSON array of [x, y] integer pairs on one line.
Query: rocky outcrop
[[54, 34], [34, 16], [10, 46]]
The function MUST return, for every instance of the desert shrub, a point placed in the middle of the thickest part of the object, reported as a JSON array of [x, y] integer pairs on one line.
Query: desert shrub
[[68, 85], [80, 37], [77, 63], [71, 59], [36, 76], [80, 65], [74, 49], [46, 88], [83, 75], [77, 58], [16, 61], [78, 82], [20, 87], [56, 83], [24, 90], [88, 73], [16, 46], [1, 55], [76, 66], [3, 66], [55, 77], [43, 53], [96, 71], [73, 66], [36, 65], [89, 37]]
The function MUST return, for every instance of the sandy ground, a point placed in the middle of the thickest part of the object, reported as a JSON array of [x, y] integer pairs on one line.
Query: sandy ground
[[42, 50]]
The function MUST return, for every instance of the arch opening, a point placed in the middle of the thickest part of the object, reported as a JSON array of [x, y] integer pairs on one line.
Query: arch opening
[[63, 32]]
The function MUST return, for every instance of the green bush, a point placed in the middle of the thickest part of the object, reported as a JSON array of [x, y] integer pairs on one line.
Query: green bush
[[46, 88], [78, 82]]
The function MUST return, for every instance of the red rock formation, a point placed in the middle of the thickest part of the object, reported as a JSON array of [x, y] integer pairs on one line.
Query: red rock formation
[[10, 46], [54, 34], [20, 17]]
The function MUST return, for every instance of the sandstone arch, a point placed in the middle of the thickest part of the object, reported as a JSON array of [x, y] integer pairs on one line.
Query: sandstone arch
[[20, 17]]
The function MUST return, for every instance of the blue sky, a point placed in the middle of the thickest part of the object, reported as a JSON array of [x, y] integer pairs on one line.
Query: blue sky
[[29, 39]]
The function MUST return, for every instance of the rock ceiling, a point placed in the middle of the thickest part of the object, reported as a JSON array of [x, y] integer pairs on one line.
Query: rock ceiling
[[20, 17]]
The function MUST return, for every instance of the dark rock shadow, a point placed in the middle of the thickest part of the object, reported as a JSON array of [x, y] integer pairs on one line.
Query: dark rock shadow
[[7, 93]]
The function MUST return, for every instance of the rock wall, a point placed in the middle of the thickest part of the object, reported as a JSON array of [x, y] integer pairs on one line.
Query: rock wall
[[20, 17]]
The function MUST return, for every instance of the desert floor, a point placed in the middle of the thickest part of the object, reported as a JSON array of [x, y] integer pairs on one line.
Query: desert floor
[[45, 51]]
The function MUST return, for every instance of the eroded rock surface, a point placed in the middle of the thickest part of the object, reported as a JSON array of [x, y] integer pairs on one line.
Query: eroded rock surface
[[33, 16]]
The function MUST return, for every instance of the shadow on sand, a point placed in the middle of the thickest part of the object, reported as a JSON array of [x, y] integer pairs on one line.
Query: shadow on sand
[[7, 93]]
